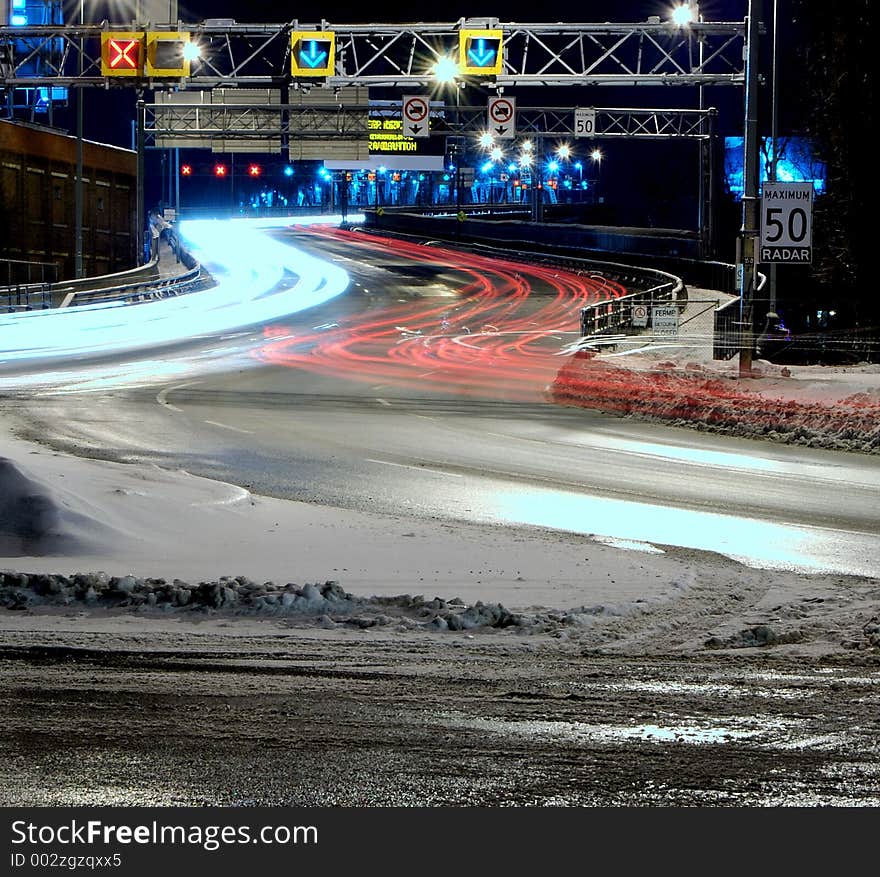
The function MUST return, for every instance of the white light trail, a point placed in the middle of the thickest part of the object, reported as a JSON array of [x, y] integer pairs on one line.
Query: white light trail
[[245, 260]]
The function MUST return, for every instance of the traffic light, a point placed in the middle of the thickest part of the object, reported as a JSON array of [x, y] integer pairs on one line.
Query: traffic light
[[348, 178], [219, 170], [186, 170], [122, 54], [312, 53], [480, 52], [166, 54], [254, 170]]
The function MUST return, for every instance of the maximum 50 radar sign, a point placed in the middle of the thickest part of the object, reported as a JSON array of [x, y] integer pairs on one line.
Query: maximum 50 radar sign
[[787, 223]]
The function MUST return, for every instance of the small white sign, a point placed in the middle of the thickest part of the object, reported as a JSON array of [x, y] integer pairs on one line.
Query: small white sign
[[417, 116], [502, 117], [664, 321], [640, 316], [786, 223], [584, 122]]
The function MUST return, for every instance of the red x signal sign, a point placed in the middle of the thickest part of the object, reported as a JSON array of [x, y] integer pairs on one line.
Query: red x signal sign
[[122, 54]]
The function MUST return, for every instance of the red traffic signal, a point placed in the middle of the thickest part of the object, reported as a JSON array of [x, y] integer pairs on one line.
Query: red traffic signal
[[254, 170], [219, 170], [186, 170]]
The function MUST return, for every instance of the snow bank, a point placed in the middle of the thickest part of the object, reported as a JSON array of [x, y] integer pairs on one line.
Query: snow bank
[[771, 405], [327, 604]]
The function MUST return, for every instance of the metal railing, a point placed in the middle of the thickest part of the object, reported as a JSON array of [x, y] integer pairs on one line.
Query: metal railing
[[133, 293], [728, 329], [19, 272]]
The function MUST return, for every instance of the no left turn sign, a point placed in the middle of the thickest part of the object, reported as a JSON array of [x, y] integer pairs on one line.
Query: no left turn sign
[[416, 122], [502, 117]]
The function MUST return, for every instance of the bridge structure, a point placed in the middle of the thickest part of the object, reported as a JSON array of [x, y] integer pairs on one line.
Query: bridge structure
[[496, 56]]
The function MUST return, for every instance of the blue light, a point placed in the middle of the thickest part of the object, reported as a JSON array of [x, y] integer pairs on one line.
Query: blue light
[[452, 167], [288, 171], [797, 163], [511, 167], [19, 4], [383, 170], [446, 177], [553, 166], [578, 166], [482, 52], [18, 20], [487, 167], [316, 55]]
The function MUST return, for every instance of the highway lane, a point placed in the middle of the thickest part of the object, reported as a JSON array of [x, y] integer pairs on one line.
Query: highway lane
[[333, 406]]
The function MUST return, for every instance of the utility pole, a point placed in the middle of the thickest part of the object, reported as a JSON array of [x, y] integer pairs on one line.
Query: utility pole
[[748, 237], [139, 209], [774, 141], [78, 187]]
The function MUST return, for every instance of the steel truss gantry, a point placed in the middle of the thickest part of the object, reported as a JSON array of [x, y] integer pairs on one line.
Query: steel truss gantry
[[198, 121], [401, 55]]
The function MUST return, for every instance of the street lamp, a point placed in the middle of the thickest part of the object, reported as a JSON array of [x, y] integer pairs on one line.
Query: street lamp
[[78, 188], [685, 13]]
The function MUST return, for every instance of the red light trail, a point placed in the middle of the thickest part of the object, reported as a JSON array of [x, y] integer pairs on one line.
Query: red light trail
[[498, 338]]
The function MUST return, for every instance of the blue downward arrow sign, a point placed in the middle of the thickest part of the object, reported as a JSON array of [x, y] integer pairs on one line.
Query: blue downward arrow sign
[[314, 58], [481, 56]]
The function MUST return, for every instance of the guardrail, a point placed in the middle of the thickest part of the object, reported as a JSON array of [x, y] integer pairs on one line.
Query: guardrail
[[132, 293], [25, 297]]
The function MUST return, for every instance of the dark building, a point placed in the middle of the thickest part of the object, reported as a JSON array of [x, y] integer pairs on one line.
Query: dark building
[[37, 201]]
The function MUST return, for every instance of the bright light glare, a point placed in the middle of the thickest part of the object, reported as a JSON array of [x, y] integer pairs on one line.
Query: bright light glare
[[564, 151], [525, 160], [446, 69], [486, 140], [191, 51], [683, 15], [496, 154], [596, 155], [553, 166], [758, 543], [527, 146], [248, 265]]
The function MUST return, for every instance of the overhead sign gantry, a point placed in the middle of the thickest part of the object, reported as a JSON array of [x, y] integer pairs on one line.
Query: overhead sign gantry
[[496, 54]]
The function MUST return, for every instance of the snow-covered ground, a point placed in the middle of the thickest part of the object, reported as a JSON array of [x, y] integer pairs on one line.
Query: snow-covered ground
[[124, 527], [677, 381]]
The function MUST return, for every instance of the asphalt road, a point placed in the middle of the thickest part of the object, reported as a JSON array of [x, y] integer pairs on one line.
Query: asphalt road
[[333, 406]]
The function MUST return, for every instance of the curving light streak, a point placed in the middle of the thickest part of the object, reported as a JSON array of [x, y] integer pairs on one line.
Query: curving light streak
[[499, 336], [248, 265]]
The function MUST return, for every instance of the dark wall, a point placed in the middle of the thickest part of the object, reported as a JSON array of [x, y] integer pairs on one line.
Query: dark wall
[[37, 201]]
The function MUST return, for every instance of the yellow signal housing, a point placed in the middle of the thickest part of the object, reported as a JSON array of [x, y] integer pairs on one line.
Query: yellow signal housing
[[312, 53], [165, 54], [122, 53], [480, 52]]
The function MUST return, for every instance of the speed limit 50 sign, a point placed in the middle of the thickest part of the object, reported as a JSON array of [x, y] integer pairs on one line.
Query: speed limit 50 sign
[[787, 223]]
